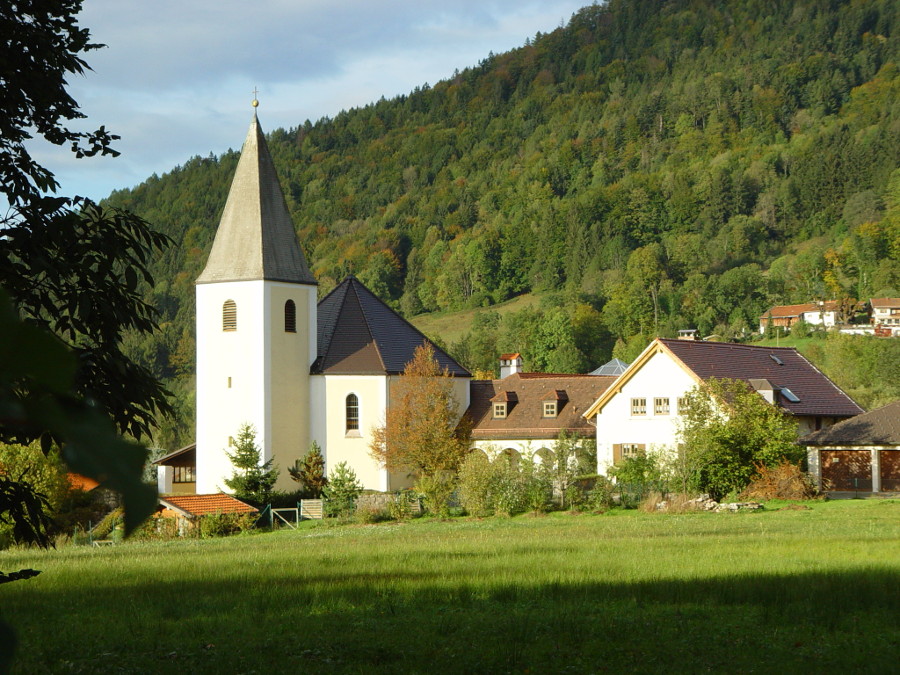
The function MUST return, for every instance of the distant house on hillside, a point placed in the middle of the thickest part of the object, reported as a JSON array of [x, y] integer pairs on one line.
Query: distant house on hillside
[[639, 411], [814, 313], [885, 316], [859, 454]]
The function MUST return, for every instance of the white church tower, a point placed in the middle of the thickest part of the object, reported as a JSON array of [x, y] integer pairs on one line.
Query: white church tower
[[256, 326]]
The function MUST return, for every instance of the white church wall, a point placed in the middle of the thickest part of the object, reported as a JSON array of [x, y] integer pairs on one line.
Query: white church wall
[[340, 445], [229, 381]]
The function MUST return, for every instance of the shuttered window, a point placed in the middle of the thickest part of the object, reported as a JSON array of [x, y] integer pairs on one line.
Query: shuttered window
[[625, 450], [638, 406], [229, 315], [290, 317], [352, 412], [660, 406]]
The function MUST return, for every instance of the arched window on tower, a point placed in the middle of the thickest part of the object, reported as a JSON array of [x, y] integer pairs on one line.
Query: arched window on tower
[[352, 413], [290, 317], [229, 315]]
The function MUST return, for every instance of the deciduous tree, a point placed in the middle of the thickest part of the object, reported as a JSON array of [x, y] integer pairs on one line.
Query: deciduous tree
[[423, 433], [727, 429]]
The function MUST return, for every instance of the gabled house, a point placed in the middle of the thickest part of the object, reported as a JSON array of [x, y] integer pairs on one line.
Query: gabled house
[[187, 509], [176, 473], [885, 316], [820, 313], [523, 414], [859, 454], [640, 410]]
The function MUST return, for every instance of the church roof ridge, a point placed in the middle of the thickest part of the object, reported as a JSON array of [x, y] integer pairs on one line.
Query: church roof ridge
[[256, 239]]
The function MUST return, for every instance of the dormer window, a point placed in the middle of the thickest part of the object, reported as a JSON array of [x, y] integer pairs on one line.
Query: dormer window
[[550, 409], [500, 411], [229, 316]]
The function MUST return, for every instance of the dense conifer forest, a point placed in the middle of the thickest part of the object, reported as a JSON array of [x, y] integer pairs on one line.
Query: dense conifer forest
[[647, 167]]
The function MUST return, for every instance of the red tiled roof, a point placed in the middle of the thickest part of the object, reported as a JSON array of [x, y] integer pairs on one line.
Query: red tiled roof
[[526, 393], [879, 427], [784, 367], [510, 357], [79, 482], [785, 311], [201, 505], [887, 303]]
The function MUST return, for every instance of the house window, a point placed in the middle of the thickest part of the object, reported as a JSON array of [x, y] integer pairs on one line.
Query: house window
[[631, 449], [499, 411], [290, 317], [660, 406], [229, 316], [549, 408], [622, 451], [184, 474], [638, 406], [352, 412], [682, 404]]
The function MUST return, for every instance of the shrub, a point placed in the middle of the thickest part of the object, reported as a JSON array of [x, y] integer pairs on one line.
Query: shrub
[[638, 476], [475, 484], [224, 524], [537, 486], [342, 491], [402, 505], [370, 514], [508, 487], [785, 480], [602, 494], [436, 492]]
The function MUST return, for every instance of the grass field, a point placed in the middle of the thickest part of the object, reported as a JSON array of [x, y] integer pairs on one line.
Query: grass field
[[452, 326], [776, 591]]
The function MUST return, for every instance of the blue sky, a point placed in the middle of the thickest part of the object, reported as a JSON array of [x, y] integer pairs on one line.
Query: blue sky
[[177, 76]]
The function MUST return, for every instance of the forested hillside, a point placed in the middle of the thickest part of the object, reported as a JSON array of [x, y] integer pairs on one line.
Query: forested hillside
[[648, 167]]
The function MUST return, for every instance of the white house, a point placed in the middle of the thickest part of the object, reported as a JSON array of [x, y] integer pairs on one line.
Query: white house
[[639, 411], [886, 316], [820, 313]]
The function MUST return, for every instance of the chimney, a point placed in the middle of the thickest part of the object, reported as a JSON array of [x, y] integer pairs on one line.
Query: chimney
[[510, 364]]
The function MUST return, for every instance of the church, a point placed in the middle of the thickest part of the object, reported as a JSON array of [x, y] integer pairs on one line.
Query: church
[[301, 370]]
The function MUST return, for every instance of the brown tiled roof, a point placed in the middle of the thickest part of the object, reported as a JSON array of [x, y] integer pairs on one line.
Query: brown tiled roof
[[784, 367], [201, 505], [525, 417], [509, 357], [888, 303], [879, 427], [360, 335], [785, 311]]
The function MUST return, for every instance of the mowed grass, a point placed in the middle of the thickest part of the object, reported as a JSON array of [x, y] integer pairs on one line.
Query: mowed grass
[[453, 326], [777, 591]]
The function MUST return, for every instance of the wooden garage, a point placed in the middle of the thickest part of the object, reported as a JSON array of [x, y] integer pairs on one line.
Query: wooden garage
[[860, 454]]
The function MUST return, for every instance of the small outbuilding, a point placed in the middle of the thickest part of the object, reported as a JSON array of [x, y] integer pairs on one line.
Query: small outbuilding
[[860, 454], [186, 509]]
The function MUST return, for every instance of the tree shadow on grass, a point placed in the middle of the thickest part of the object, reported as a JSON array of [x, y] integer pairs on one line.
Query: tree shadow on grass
[[430, 623]]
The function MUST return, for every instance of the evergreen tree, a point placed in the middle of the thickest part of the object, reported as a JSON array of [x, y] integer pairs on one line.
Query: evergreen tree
[[252, 479], [310, 472]]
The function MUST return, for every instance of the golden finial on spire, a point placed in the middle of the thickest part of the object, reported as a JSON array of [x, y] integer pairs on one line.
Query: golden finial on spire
[[255, 102]]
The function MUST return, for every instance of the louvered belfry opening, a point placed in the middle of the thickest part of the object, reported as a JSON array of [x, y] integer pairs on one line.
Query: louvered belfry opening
[[229, 316], [290, 317]]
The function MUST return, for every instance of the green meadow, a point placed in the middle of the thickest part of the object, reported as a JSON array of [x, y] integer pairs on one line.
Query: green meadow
[[782, 590]]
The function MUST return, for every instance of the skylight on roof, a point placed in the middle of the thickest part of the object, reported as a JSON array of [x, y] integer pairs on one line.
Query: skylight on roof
[[776, 359], [789, 395]]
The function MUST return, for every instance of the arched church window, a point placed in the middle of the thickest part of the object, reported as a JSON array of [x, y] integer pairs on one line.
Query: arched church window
[[229, 315], [290, 317], [352, 412]]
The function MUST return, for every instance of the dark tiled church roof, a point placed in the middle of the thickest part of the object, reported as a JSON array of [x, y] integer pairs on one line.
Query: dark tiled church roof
[[879, 427], [525, 394], [358, 334], [784, 367]]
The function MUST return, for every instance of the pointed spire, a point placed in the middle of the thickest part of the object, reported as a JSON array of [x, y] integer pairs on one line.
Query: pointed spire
[[256, 238]]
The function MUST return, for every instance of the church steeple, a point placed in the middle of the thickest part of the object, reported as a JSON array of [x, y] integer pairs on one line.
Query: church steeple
[[256, 238]]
